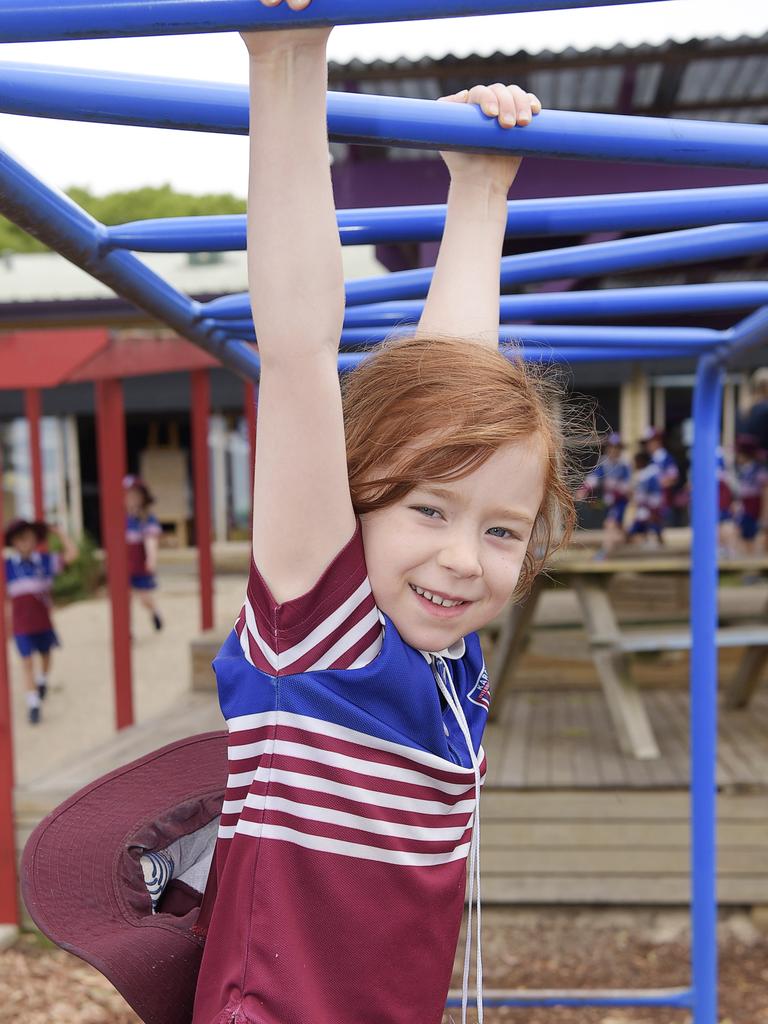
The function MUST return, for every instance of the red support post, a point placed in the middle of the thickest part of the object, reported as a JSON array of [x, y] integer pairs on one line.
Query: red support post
[[201, 408], [9, 904], [110, 442], [33, 412]]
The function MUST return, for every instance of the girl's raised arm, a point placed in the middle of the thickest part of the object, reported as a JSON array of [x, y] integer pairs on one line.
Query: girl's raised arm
[[463, 299], [302, 512]]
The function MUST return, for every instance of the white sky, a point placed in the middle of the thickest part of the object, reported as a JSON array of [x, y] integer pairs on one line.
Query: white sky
[[109, 157]]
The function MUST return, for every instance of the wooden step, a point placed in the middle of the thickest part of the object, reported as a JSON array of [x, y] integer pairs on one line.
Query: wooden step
[[639, 641]]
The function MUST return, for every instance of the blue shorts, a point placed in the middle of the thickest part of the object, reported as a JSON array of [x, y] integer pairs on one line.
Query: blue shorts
[[641, 527], [726, 516], [147, 582], [615, 512], [748, 526], [28, 643]]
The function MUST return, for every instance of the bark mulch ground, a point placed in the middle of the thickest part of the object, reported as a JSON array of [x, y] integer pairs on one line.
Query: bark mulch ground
[[42, 985]]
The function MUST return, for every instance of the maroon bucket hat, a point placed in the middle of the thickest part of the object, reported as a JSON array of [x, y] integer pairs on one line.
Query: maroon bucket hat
[[17, 526], [83, 884], [132, 482]]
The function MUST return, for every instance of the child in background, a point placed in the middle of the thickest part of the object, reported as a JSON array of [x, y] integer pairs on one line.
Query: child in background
[[726, 491], [142, 533], [648, 501], [29, 574], [611, 480], [669, 471], [751, 478]]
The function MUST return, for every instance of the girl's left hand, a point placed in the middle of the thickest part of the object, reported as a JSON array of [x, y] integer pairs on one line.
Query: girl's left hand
[[513, 108]]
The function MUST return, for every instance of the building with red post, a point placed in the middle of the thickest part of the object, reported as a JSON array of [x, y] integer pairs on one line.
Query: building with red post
[[714, 79], [82, 334]]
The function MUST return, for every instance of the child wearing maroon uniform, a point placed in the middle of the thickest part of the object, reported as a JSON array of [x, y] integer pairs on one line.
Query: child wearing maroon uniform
[[29, 574], [751, 478], [648, 500], [611, 479], [668, 471], [142, 531], [390, 523], [353, 684]]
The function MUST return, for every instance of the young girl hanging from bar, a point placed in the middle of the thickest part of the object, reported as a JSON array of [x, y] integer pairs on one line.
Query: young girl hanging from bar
[[353, 684]]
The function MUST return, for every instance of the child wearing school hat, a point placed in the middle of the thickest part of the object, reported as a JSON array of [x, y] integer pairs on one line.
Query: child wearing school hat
[[29, 575]]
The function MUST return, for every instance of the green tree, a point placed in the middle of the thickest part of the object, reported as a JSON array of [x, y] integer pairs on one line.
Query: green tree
[[119, 207]]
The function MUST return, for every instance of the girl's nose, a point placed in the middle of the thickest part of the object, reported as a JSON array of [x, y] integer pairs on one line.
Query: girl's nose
[[460, 556]]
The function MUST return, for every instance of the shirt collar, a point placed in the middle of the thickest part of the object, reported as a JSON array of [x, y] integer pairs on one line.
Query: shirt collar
[[18, 559], [456, 650]]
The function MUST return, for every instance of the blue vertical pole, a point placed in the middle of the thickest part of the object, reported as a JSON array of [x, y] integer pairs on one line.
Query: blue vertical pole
[[703, 690]]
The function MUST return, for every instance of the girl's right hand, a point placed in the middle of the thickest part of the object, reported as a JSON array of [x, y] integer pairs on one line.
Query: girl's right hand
[[514, 108], [263, 43]]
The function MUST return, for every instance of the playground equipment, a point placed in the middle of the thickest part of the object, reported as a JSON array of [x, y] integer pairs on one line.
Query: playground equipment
[[223, 326]]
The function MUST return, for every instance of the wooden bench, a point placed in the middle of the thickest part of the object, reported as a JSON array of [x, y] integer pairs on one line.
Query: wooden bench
[[612, 645]]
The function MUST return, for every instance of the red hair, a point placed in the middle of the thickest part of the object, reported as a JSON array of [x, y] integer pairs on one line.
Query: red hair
[[455, 403]]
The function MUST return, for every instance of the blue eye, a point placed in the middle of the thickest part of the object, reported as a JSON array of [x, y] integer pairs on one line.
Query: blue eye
[[503, 533], [425, 510]]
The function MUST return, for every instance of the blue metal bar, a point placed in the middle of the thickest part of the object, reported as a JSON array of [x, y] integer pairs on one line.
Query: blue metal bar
[[683, 339], [59, 223], [569, 215], [750, 333], [703, 689], [674, 248], [694, 245], [602, 997], [39, 20], [349, 360], [420, 124], [601, 304], [551, 354], [679, 339]]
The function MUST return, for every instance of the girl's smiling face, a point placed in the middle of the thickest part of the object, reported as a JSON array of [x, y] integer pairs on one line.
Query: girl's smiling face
[[134, 501], [25, 543], [445, 559]]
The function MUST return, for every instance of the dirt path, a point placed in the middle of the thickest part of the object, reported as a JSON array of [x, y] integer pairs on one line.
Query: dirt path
[[78, 713], [555, 950]]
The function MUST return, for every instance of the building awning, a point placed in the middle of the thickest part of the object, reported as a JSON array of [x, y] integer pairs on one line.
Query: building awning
[[46, 359], [137, 354]]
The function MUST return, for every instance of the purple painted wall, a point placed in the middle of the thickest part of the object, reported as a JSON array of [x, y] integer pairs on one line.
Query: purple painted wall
[[381, 182]]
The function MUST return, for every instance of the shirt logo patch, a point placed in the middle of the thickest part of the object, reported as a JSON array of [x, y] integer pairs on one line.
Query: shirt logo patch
[[480, 693]]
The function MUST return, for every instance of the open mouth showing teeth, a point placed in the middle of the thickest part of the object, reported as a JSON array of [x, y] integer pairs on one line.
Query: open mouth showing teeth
[[444, 602]]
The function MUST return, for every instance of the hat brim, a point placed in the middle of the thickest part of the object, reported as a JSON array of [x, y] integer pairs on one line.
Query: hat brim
[[82, 882], [39, 528]]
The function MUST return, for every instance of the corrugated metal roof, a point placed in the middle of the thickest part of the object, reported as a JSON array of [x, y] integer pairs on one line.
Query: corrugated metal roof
[[715, 79]]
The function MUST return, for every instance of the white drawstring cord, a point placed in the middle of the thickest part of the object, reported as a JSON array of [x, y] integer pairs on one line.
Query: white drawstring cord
[[445, 684]]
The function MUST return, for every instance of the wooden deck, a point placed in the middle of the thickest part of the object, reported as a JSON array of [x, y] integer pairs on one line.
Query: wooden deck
[[615, 847], [562, 739], [568, 819]]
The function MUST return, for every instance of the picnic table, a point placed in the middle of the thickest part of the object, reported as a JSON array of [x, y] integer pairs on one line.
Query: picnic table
[[612, 643]]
